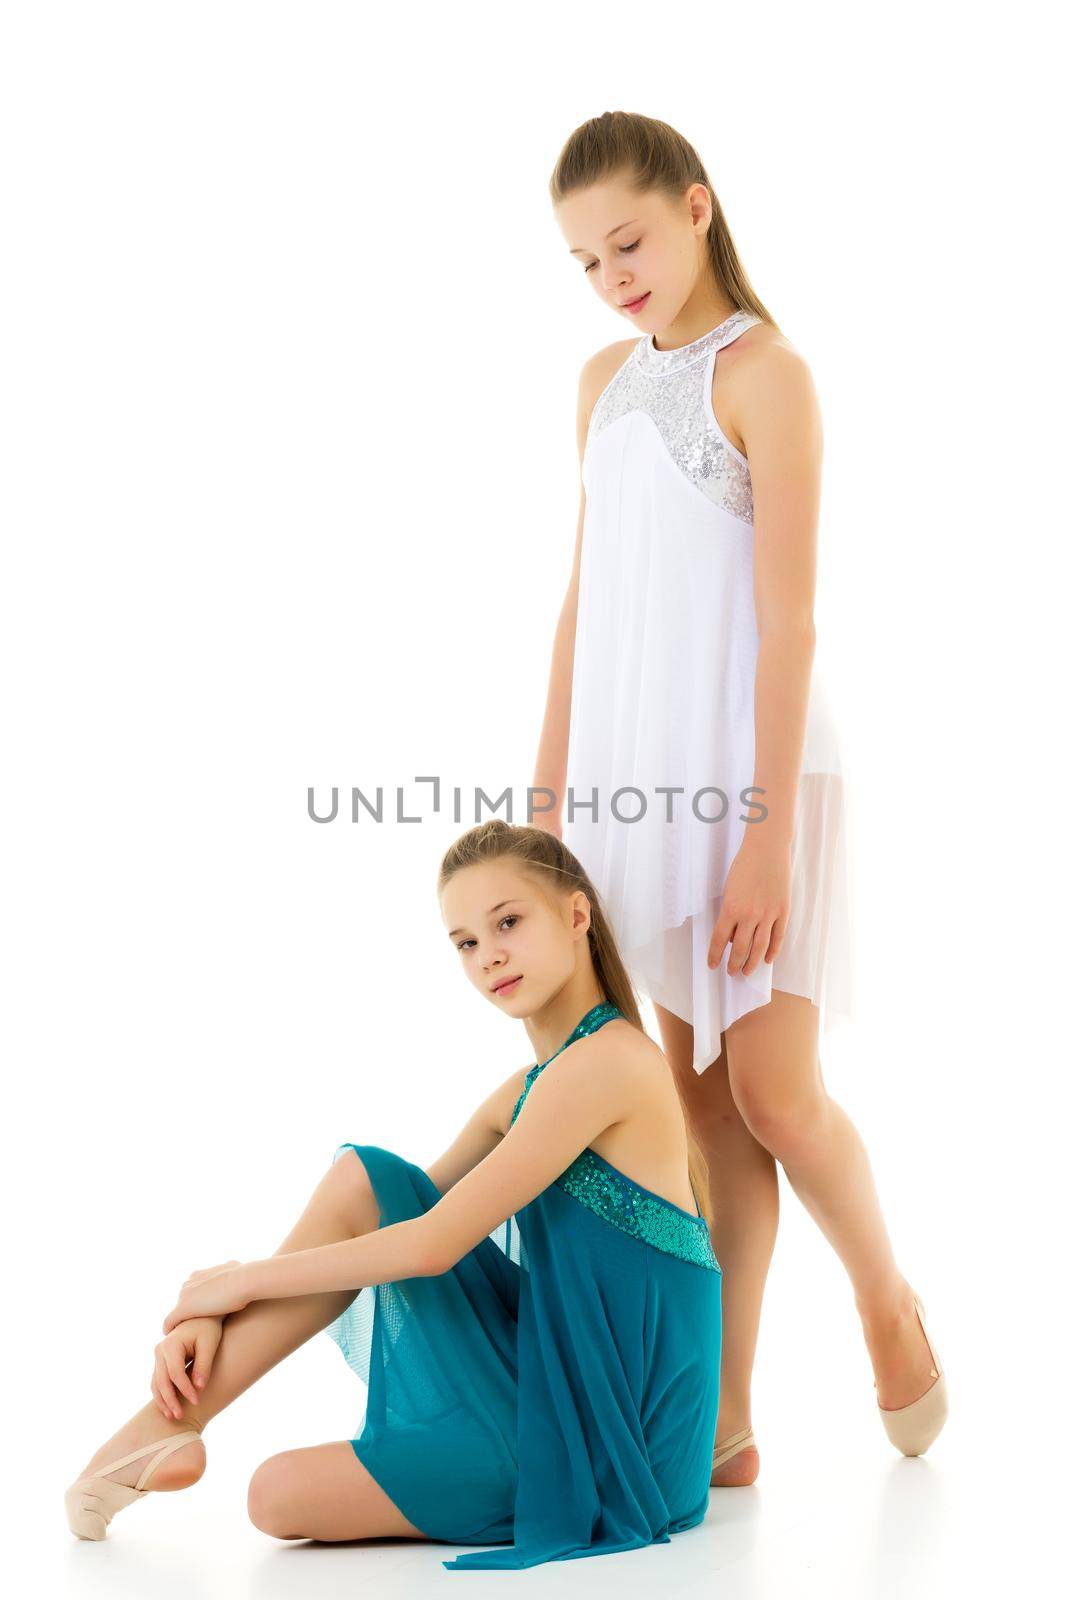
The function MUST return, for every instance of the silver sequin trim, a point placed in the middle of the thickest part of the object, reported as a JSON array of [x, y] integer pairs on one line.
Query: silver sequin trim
[[668, 385]]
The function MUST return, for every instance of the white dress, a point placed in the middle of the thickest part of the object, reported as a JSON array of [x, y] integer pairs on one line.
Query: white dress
[[662, 698]]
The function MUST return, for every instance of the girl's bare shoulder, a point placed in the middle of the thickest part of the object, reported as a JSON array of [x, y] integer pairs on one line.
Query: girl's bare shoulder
[[761, 374], [628, 1062], [762, 353], [630, 1055]]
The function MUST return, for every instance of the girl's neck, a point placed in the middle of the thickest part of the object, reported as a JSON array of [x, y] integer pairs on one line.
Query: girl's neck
[[558, 1020], [693, 325]]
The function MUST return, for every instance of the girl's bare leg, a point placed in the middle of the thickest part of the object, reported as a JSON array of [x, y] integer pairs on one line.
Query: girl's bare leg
[[776, 1076], [744, 1196], [256, 1339]]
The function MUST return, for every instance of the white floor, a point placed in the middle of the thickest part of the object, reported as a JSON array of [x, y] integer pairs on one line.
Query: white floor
[[836, 1511], [847, 1518]]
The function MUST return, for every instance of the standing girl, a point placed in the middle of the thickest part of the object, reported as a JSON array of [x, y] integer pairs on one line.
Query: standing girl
[[685, 716]]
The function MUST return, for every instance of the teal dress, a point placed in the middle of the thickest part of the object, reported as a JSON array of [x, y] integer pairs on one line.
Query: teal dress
[[555, 1392]]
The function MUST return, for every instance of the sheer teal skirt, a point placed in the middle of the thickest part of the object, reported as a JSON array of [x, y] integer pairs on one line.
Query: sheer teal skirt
[[554, 1392]]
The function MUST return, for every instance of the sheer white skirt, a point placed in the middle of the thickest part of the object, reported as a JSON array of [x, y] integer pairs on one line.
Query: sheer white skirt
[[816, 957]]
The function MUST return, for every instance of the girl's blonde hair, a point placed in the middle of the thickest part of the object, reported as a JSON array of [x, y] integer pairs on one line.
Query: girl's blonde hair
[[650, 154], [547, 859]]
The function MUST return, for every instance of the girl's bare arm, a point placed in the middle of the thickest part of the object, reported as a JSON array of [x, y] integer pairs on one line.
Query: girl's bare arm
[[593, 1085], [480, 1135], [550, 768], [774, 408]]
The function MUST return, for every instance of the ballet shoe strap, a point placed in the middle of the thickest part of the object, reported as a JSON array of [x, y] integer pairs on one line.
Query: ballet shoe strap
[[731, 1446], [919, 1309], [935, 1371], [165, 1448]]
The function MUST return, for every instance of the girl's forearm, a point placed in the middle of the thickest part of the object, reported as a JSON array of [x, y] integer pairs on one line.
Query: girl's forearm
[[386, 1255], [550, 769], [783, 685]]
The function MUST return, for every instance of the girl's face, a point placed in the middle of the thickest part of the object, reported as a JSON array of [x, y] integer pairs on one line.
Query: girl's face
[[638, 247], [510, 931]]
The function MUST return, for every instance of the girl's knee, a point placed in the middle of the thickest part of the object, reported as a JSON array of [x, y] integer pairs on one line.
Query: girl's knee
[[348, 1181], [273, 1491], [786, 1124]]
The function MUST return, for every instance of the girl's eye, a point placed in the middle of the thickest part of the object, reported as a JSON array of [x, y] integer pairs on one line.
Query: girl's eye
[[624, 250], [509, 916]]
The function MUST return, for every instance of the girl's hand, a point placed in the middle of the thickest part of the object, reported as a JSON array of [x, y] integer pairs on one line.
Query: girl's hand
[[199, 1339], [213, 1292], [755, 907]]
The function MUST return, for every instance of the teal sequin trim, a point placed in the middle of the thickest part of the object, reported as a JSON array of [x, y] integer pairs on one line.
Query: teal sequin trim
[[617, 1199], [602, 1012], [636, 1210]]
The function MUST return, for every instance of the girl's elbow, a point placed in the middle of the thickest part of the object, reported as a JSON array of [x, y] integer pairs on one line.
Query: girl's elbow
[[434, 1256], [797, 628]]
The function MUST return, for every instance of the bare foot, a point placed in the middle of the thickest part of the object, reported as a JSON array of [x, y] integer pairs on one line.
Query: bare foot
[[178, 1470], [900, 1354]]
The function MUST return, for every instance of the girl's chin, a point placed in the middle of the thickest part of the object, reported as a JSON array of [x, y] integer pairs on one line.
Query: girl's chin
[[520, 1007]]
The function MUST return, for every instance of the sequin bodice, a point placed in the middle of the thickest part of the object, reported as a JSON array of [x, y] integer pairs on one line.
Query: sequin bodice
[[620, 1200], [673, 388]]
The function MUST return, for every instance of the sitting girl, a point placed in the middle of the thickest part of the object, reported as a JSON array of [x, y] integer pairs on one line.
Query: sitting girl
[[537, 1316]]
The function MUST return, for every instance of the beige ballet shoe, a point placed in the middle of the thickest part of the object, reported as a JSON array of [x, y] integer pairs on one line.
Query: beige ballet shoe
[[92, 1501], [913, 1428], [731, 1447]]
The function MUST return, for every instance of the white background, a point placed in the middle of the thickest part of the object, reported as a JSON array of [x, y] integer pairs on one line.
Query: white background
[[291, 343]]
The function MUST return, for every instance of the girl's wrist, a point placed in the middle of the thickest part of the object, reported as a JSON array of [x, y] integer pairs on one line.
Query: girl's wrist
[[767, 837], [254, 1280]]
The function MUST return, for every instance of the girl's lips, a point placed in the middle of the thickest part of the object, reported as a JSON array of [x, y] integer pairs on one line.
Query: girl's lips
[[507, 988], [637, 305]]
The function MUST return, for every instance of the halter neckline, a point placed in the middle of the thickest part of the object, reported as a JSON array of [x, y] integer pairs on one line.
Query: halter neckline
[[649, 359], [594, 1018]]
